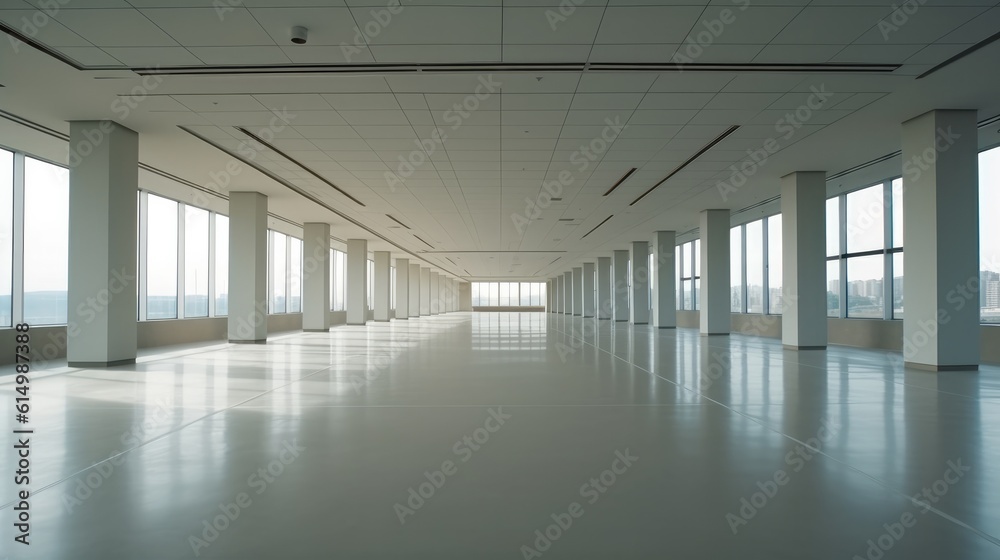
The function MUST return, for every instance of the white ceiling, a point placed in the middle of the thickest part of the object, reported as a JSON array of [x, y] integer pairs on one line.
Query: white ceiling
[[353, 129]]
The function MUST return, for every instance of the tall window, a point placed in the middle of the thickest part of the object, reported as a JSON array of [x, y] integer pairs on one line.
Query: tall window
[[221, 265], [688, 274], [277, 271], [195, 262], [678, 265], [6, 237], [338, 276], [833, 251], [989, 236], [865, 252], [754, 232], [161, 258], [46, 242], [736, 269], [284, 278], [755, 266], [505, 294], [294, 275], [774, 273], [370, 291], [392, 287], [696, 258]]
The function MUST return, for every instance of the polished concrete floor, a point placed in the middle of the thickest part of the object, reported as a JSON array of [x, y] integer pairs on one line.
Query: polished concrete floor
[[505, 435]]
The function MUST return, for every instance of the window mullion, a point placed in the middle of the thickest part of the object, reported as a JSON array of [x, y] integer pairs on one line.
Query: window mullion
[[886, 244]]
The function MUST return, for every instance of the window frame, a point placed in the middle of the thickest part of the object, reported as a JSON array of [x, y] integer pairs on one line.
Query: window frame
[[888, 250]]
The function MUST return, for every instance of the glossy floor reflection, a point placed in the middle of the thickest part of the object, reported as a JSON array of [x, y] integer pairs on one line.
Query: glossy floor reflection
[[505, 435]]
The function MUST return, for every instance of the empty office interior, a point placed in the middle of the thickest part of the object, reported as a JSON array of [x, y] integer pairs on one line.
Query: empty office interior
[[500, 279]]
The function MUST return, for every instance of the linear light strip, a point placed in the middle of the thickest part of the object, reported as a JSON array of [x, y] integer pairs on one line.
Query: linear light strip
[[961, 55], [620, 181], [393, 218], [422, 241], [689, 160], [297, 162], [597, 226]]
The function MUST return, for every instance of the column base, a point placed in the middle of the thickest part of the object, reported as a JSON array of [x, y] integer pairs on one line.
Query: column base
[[673, 327], [794, 347], [588, 316], [326, 330], [358, 324], [638, 323], [113, 363], [714, 334], [604, 318], [935, 367], [259, 341]]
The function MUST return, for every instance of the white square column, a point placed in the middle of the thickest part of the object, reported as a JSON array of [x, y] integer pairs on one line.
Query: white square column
[[425, 291], [605, 299], [357, 281], [102, 244], [577, 291], [402, 288], [413, 295], [640, 283], [941, 240], [568, 294], [247, 267], [316, 277], [588, 289], [434, 294], [714, 297], [619, 270], [803, 257], [382, 296], [664, 280]]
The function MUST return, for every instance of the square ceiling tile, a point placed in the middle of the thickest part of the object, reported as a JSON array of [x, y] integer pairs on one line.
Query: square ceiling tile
[[537, 26], [115, 28], [623, 25], [204, 27], [434, 25], [829, 25]]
